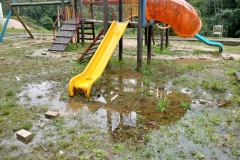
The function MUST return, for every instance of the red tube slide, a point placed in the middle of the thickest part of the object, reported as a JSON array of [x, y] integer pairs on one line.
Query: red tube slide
[[177, 13]]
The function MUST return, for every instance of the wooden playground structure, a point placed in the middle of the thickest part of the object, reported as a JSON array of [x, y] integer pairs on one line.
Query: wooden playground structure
[[81, 24]]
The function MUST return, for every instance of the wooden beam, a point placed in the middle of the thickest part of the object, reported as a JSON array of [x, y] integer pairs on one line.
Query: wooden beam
[[20, 20], [40, 3], [120, 4], [149, 49], [139, 37], [82, 21], [167, 38]]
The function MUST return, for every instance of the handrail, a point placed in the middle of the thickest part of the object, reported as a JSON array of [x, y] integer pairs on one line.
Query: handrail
[[78, 18], [54, 24]]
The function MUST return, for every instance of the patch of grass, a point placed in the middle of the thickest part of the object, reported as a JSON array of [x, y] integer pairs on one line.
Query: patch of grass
[[230, 73], [13, 147], [147, 81], [26, 125], [10, 93], [98, 153], [162, 105], [74, 47], [64, 97], [213, 85], [71, 130], [197, 51], [217, 86], [9, 103], [118, 148], [165, 51], [65, 144], [185, 105], [58, 122]]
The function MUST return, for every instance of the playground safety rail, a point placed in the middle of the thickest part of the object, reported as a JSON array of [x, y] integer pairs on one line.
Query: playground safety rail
[[54, 24]]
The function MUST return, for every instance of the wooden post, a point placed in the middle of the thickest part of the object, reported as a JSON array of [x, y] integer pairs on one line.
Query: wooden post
[[121, 40], [162, 34], [149, 49], [146, 36], [139, 37], [167, 40], [63, 10], [76, 16], [20, 20], [105, 16], [82, 21]]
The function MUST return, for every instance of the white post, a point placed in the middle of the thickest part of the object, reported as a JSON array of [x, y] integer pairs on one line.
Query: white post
[[1, 16], [58, 18]]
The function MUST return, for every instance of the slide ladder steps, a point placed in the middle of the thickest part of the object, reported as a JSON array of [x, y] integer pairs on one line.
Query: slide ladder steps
[[64, 36], [89, 52], [89, 33]]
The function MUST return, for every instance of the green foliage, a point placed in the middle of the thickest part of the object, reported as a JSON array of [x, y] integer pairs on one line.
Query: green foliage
[[162, 105], [26, 125], [165, 51], [46, 22], [72, 47], [185, 105], [98, 153]]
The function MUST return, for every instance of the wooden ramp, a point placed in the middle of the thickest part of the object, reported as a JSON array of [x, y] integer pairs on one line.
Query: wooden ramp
[[65, 35]]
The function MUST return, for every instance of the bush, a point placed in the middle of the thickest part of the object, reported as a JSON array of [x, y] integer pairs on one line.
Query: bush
[[46, 22]]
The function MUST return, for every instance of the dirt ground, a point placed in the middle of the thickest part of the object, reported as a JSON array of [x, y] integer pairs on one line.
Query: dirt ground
[[12, 23], [182, 47]]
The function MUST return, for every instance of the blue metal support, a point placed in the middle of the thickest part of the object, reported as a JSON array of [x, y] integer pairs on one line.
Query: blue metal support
[[5, 25]]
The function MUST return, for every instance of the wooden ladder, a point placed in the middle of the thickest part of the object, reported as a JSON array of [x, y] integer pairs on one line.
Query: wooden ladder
[[89, 52]]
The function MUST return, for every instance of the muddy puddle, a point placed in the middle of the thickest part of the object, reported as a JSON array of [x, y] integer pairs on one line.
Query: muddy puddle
[[126, 108], [121, 103], [192, 61], [42, 95]]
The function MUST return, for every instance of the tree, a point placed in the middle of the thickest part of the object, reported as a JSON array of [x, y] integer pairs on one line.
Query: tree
[[46, 22]]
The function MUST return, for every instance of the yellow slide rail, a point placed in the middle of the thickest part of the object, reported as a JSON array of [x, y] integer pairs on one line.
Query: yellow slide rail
[[82, 83]]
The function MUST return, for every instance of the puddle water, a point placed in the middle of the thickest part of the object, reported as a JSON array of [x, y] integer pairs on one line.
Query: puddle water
[[122, 104], [41, 94], [192, 61], [125, 107]]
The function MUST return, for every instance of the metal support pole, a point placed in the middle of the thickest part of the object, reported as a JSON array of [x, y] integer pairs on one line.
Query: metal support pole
[[105, 16], [149, 49], [121, 40], [20, 20], [139, 37]]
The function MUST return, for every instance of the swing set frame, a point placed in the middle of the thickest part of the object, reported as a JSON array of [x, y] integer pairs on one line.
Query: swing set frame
[[18, 17]]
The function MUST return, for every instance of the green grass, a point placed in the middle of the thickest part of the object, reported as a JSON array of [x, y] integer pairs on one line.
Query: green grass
[[185, 105], [162, 105]]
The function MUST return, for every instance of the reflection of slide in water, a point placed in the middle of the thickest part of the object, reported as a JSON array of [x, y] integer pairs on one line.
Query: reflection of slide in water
[[211, 43], [84, 81]]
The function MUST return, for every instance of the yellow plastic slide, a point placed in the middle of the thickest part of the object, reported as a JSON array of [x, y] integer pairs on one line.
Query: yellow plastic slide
[[82, 83]]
